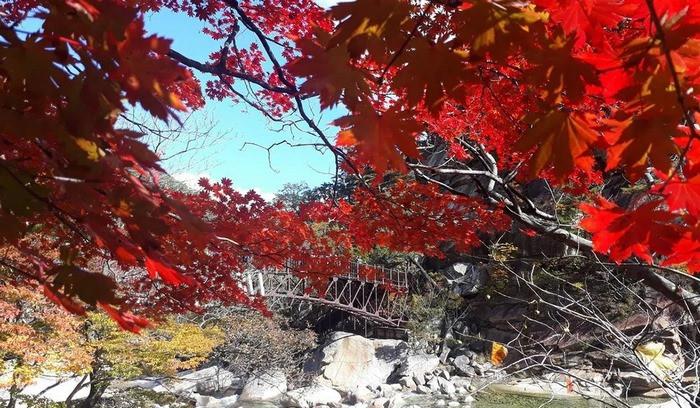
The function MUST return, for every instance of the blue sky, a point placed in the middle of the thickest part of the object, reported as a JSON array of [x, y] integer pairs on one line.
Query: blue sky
[[248, 167]]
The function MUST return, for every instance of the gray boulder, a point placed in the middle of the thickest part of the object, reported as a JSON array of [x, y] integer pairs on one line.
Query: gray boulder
[[312, 396], [417, 366], [361, 395], [204, 401], [439, 384], [381, 402], [463, 365], [407, 383], [265, 387], [350, 361]]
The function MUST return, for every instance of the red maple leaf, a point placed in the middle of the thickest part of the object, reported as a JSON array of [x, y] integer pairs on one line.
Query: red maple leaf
[[643, 232]]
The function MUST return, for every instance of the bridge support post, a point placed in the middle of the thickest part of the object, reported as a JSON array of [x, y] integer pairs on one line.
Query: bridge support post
[[249, 284], [261, 284]]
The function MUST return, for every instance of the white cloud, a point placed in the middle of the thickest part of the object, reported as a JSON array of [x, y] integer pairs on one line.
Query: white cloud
[[266, 195], [191, 180], [327, 3]]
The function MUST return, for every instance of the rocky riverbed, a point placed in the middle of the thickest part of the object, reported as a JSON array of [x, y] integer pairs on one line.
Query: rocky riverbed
[[352, 371]]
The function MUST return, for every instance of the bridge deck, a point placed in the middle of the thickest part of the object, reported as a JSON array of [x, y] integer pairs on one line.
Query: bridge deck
[[371, 292]]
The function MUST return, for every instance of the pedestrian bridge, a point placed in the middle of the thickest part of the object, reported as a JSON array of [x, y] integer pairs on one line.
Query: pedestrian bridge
[[373, 293]]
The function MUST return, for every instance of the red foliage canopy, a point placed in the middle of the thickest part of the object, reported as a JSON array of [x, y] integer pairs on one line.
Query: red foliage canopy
[[569, 91]]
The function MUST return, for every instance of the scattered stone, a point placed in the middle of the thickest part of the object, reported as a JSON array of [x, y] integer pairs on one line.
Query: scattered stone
[[407, 383], [434, 385], [418, 365], [637, 382], [418, 378], [396, 401], [441, 403], [362, 394], [379, 403], [422, 389], [312, 396], [453, 404], [265, 387], [204, 401], [386, 390], [444, 374], [463, 365], [445, 386], [444, 353]]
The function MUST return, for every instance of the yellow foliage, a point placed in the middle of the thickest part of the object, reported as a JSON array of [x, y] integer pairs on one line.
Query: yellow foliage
[[170, 347]]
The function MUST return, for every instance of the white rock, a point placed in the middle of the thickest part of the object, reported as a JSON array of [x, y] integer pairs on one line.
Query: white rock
[[422, 389], [205, 381], [418, 365], [418, 378], [350, 361], [265, 387], [379, 403], [453, 404], [446, 387], [312, 396], [58, 393], [467, 399], [386, 390], [204, 401], [396, 401], [407, 383], [363, 394]]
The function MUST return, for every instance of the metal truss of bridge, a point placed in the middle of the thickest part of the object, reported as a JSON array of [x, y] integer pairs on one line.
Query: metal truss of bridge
[[379, 296]]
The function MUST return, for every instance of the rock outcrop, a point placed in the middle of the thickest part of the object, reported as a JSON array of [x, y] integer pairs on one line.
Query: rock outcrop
[[349, 361], [265, 387]]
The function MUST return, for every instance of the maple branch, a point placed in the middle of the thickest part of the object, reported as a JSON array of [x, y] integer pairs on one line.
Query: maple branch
[[263, 39], [408, 39], [59, 213], [220, 69], [546, 224]]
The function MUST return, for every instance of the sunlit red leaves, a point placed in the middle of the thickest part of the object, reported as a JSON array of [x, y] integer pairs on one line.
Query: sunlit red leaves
[[431, 73], [146, 73], [379, 135], [493, 29], [125, 320], [563, 140], [560, 72], [370, 25], [645, 231], [686, 251], [330, 73], [638, 141], [409, 217], [588, 19], [157, 267]]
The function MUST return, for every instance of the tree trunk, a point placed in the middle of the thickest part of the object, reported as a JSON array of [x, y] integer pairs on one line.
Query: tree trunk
[[14, 391], [97, 388], [99, 381]]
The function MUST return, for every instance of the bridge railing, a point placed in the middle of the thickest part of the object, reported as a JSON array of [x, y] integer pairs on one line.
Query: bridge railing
[[397, 278]]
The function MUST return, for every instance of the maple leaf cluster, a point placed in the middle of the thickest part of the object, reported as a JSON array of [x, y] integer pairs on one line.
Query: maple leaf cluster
[[83, 215], [407, 217], [566, 90]]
